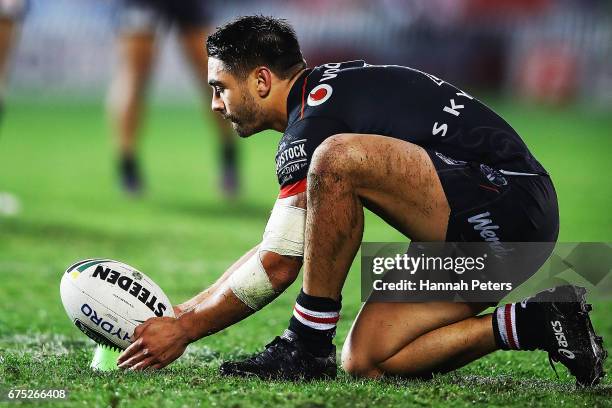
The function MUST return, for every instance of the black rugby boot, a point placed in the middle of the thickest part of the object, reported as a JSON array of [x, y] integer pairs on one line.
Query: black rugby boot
[[569, 337], [285, 358]]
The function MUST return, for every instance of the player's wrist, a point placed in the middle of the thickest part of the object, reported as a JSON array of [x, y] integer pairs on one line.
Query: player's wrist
[[188, 324]]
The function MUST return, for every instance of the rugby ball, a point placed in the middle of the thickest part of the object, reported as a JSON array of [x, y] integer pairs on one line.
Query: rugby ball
[[107, 299]]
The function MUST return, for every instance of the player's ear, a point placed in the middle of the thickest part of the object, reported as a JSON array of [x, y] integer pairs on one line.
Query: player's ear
[[264, 81]]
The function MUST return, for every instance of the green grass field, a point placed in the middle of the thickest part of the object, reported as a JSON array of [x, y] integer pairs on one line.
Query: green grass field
[[57, 160]]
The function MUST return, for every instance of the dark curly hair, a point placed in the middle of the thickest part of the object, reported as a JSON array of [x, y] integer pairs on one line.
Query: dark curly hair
[[251, 41]]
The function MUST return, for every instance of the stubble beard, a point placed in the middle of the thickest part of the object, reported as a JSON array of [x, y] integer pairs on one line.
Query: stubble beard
[[247, 119]]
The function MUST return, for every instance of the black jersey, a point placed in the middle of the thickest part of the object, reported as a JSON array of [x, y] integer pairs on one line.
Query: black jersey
[[394, 101]]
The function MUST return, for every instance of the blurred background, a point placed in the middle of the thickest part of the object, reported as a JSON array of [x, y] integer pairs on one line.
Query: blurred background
[[552, 51], [96, 164], [544, 65]]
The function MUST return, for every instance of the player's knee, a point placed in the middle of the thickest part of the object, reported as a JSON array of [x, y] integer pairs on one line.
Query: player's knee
[[358, 364], [332, 161], [337, 153]]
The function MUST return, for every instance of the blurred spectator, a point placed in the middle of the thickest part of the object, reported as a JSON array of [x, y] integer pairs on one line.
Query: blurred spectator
[[140, 23]]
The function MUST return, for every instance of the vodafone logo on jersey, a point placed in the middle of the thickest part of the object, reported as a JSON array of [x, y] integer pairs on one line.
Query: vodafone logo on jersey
[[319, 94]]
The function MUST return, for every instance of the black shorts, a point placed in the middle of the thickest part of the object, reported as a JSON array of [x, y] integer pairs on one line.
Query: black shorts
[[488, 205], [150, 15]]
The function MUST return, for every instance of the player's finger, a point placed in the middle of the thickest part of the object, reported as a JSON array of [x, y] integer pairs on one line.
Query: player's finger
[[130, 351], [143, 364], [156, 366], [144, 354]]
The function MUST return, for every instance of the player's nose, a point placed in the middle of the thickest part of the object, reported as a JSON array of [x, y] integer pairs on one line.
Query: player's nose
[[217, 104]]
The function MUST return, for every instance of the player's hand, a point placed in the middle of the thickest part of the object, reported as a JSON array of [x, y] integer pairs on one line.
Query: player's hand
[[157, 342]]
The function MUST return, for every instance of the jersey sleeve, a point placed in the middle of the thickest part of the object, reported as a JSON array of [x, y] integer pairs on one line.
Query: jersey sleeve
[[296, 148]]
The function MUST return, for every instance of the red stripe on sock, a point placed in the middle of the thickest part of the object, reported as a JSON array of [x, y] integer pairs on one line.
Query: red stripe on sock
[[327, 320], [508, 319]]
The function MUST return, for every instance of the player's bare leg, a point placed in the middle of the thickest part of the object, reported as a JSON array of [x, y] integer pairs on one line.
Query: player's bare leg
[[419, 338], [191, 41], [136, 56], [393, 178], [397, 181], [426, 338]]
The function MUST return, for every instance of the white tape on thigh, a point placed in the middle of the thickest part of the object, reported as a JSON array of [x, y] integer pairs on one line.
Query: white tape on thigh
[[250, 283], [284, 233]]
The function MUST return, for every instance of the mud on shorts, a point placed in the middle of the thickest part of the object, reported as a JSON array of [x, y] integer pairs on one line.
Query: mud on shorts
[[147, 16]]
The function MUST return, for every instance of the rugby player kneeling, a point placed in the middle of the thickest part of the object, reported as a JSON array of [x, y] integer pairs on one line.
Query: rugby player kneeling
[[429, 159]]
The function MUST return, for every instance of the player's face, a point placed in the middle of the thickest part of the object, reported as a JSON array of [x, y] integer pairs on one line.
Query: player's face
[[233, 100]]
